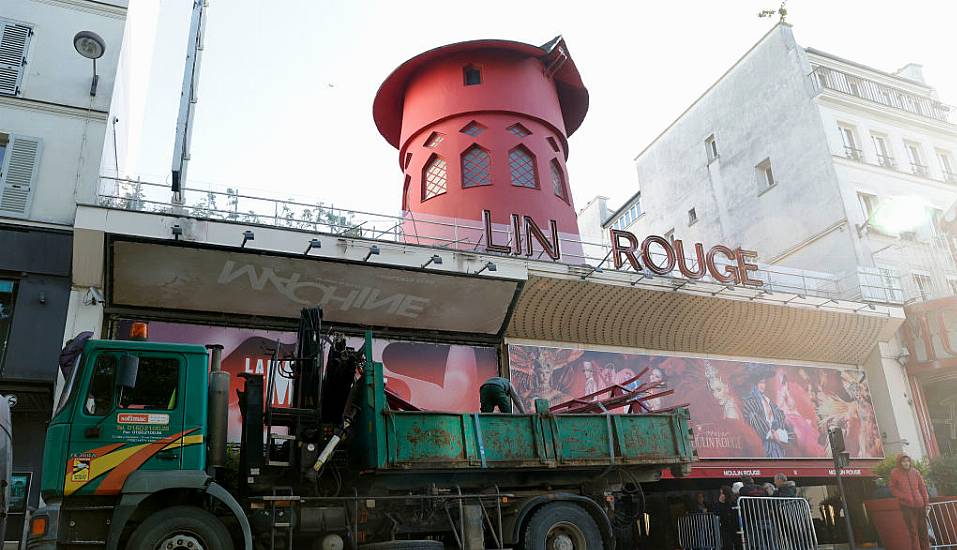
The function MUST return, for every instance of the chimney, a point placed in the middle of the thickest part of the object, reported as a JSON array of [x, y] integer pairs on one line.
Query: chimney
[[912, 71]]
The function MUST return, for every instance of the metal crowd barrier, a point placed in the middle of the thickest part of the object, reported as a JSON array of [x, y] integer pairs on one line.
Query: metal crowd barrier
[[700, 531], [774, 523], [942, 521]]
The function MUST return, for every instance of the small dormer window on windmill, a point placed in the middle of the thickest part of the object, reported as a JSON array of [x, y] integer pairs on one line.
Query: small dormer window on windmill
[[472, 75]]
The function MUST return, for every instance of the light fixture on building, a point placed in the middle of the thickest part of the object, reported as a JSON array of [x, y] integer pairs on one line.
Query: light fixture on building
[[177, 232], [91, 46], [593, 270], [435, 259], [490, 266], [94, 297], [373, 251], [247, 236], [314, 243]]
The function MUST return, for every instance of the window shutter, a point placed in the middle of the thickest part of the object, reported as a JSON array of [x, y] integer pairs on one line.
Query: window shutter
[[17, 175], [14, 39]]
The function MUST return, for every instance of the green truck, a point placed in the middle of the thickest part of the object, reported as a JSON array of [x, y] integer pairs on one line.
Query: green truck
[[137, 457]]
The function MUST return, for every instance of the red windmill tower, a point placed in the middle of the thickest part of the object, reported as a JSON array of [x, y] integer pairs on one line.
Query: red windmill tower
[[483, 126]]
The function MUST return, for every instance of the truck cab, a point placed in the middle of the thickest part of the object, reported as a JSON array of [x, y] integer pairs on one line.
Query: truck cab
[[128, 435]]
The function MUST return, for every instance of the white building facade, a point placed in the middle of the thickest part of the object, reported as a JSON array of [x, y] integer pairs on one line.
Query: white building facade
[[53, 119], [817, 163]]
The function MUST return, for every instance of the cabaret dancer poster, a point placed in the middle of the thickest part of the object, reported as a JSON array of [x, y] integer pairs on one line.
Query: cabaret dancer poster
[[738, 409]]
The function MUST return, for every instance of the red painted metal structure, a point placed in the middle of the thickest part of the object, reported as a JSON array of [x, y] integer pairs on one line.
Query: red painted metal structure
[[484, 125]]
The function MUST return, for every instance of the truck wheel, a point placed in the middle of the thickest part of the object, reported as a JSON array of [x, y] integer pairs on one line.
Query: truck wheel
[[186, 527], [562, 526], [404, 545]]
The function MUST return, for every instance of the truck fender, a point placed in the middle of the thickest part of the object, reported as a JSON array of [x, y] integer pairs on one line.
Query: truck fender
[[592, 507], [141, 485], [218, 492]]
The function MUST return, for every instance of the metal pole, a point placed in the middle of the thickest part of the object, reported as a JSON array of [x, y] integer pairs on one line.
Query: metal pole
[[847, 513], [187, 102]]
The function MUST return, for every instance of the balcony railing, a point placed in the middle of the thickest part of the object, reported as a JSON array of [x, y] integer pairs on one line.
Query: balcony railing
[[832, 79], [406, 228], [919, 169], [853, 153], [886, 161]]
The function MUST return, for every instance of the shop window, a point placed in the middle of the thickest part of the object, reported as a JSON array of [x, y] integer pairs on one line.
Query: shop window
[[434, 139], [476, 165], [521, 163], [519, 130], [473, 129], [434, 177], [7, 300], [558, 180], [471, 75]]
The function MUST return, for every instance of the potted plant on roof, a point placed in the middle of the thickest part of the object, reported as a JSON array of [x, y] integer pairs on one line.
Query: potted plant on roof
[[883, 510]]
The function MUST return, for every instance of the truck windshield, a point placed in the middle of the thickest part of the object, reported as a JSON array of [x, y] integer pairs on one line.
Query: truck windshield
[[68, 386]]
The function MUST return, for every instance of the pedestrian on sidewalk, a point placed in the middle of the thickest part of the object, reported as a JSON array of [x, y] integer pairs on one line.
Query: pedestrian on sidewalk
[[728, 516], [907, 486], [783, 487], [700, 504]]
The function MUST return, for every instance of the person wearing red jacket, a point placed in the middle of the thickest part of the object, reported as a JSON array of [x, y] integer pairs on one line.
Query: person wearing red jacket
[[907, 486]]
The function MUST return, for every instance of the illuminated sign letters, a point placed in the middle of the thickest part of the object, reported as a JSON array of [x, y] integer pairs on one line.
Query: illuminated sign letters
[[735, 268]]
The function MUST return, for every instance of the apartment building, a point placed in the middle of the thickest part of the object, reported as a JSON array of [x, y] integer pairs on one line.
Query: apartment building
[[58, 60], [819, 163]]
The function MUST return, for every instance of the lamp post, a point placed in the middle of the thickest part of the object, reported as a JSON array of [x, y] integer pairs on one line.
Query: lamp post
[[91, 46]]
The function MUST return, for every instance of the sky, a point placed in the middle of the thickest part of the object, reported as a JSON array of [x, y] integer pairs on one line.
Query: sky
[[286, 86]]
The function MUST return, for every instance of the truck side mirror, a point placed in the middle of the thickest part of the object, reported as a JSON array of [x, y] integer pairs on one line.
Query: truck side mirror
[[126, 371]]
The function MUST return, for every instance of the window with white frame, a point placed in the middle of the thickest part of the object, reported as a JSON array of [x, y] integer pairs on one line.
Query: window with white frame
[[952, 285], [852, 149], [692, 216], [711, 146], [946, 166], [628, 216], [916, 158], [764, 174], [883, 150], [869, 205], [924, 284], [14, 42], [670, 235], [19, 156]]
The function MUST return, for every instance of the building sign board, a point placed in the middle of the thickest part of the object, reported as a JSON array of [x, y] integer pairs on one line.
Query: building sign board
[[434, 376], [738, 409], [176, 277]]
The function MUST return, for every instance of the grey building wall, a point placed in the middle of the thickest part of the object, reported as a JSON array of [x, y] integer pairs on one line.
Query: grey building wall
[[762, 108], [39, 261]]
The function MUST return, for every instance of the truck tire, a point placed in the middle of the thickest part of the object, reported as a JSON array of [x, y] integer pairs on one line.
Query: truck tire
[[181, 527], [404, 545], [562, 526]]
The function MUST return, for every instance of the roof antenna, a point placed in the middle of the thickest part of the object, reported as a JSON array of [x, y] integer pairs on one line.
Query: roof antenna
[[782, 11]]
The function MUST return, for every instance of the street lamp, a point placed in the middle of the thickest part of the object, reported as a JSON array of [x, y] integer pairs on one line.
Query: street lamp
[[91, 46]]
